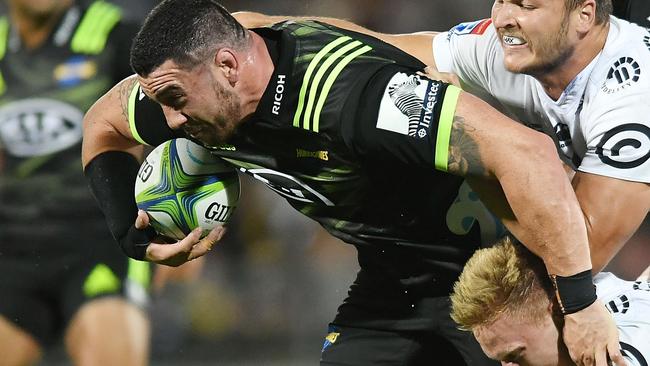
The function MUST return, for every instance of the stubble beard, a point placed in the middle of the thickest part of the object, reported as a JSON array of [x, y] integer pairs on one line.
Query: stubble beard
[[551, 53], [222, 128]]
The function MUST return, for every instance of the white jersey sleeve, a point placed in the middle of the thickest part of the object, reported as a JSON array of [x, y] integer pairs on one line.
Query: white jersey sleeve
[[616, 126], [466, 51], [629, 304]]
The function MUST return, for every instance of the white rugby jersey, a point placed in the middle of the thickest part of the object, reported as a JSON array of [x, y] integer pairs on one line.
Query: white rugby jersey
[[601, 122], [629, 304]]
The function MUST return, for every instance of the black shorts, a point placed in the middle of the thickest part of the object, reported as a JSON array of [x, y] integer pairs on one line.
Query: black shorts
[[43, 286], [351, 346], [397, 313]]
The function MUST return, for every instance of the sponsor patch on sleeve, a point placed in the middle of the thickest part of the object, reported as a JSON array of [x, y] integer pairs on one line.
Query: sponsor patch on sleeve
[[477, 27], [408, 105]]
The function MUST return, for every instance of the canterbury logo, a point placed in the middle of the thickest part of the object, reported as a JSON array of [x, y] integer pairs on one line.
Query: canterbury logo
[[321, 74], [405, 99]]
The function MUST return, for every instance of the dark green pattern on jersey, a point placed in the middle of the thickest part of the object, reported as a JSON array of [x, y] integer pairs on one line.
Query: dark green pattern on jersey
[[42, 99]]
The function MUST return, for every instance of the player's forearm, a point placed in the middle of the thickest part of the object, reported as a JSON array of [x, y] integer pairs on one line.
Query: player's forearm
[[551, 222], [532, 177]]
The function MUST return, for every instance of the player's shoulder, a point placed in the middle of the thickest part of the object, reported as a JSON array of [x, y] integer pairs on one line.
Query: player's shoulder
[[624, 64]]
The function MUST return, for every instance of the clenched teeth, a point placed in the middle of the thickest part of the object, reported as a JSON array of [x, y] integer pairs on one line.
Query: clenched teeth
[[513, 41]]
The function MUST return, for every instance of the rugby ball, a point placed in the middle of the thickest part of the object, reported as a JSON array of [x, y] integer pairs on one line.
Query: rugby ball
[[182, 186]]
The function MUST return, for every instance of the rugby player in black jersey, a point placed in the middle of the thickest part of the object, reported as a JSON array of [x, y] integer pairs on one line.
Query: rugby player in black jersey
[[343, 126], [60, 273]]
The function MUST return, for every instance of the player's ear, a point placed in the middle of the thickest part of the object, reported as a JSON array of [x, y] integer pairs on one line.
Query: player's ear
[[226, 60], [586, 16]]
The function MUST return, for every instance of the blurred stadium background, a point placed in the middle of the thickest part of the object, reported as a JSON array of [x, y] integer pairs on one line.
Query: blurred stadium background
[[268, 290]]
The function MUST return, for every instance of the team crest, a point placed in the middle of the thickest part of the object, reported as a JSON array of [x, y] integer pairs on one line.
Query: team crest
[[74, 71]]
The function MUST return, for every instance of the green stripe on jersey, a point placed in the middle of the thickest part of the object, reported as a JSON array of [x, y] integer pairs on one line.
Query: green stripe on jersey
[[310, 70], [316, 99], [4, 36], [95, 27], [444, 127], [3, 85], [139, 272], [330, 81], [134, 129]]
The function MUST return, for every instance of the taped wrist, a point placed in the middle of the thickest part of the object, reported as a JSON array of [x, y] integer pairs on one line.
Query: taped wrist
[[111, 176], [575, 292]]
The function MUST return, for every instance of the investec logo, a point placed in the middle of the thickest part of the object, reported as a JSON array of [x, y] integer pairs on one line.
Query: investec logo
[[430, 101], [34, 127]]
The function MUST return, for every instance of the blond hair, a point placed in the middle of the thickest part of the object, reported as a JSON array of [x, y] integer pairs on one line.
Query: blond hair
[[505, 279]]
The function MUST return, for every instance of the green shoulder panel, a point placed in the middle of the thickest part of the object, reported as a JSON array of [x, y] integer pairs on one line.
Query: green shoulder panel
[[4, 36], [95, 27]]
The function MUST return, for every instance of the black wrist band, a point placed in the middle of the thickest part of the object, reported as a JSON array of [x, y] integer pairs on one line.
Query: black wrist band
[[575, 292], [111, 177]]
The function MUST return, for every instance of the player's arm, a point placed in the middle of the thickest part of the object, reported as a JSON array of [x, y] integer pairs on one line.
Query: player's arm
[[111, 160], [613, 210], [106, 125], [484, 143], [418, 44]]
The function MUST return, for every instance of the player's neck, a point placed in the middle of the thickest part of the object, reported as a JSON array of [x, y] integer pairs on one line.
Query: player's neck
[[34, 27], [557, 80], [258, 68]]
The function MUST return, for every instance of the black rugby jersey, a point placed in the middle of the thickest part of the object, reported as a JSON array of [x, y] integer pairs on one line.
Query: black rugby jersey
[[44, 93], [345, 131]]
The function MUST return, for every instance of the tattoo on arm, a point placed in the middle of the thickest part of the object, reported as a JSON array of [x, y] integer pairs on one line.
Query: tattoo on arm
[[124, 91], [464, 156]]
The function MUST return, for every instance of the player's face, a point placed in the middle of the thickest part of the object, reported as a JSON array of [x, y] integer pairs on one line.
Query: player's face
[[39, 8], [534, 34], [195, 100], [520, 343]]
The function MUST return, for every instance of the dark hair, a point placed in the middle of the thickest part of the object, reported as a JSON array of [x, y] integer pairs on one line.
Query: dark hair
[[603, 9], [186, 32]]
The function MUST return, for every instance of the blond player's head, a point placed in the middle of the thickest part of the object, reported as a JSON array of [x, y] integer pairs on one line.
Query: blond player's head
[[505, 298]]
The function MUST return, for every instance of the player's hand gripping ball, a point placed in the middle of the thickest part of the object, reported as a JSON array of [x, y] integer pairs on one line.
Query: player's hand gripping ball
[[181, 186]]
